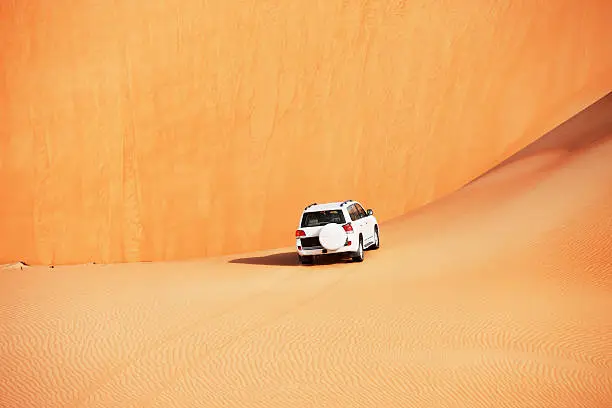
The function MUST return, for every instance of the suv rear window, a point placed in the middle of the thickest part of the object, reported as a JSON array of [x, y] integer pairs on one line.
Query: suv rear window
[[320, 218]]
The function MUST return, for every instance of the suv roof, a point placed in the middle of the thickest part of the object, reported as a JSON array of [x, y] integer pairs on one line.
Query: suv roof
[[327, 206]]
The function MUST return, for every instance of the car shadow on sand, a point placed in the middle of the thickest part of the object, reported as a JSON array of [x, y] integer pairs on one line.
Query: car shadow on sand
[[287, 259]]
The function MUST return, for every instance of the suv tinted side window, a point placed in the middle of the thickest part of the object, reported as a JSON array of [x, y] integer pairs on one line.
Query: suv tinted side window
[[362, 213], [353, 212]]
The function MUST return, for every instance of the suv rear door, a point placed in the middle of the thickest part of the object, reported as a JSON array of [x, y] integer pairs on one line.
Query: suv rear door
[[312, 222]]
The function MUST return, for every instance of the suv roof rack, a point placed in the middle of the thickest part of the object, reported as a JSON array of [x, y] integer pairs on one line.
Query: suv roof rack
[[344, 202], [309, 205]]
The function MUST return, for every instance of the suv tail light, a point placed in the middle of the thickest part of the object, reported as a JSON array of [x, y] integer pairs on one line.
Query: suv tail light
[[348, 227], [299, 233]]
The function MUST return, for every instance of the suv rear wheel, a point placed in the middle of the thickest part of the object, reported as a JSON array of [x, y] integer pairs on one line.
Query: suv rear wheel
[[359, 255], [306, 259]]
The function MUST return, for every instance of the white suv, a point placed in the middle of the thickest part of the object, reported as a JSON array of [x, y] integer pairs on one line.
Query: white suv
[[336, 228]]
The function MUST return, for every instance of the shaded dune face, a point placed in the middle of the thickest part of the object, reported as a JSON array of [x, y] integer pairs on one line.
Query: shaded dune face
[[592, 125], [497, 295], [149, 131]]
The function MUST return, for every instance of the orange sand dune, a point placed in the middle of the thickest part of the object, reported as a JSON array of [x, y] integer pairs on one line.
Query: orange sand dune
[[498, 295], [144, 131]]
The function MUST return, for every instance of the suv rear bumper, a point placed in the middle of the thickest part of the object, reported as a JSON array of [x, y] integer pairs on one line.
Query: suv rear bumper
[[322, 251]]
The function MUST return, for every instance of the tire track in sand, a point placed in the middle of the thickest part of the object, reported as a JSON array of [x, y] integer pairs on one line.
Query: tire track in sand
[[144, 349], [164, 366], [224, 320]]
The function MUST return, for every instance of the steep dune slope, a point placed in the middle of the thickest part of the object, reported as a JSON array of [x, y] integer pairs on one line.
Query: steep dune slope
[[166, 130], [497, 295]]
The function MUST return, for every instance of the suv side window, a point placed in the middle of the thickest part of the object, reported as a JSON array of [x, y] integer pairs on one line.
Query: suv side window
[[353, 212], [362, 213]]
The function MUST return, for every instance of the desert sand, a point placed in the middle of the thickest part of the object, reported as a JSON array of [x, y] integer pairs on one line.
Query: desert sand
[[132, 134], [497, 295], [137, 131]]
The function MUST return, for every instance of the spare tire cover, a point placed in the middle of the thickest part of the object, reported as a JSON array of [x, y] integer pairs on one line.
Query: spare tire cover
[[332, 236]]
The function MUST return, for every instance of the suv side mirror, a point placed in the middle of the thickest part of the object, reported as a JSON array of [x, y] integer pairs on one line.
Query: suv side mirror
[[370, 212]]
